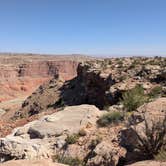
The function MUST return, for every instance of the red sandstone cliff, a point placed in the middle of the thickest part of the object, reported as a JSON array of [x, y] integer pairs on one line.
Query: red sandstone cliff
[[20, 75]]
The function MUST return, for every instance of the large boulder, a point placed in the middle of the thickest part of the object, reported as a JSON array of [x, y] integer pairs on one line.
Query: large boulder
[[70, 121], [106, 154], [41, 138], [152, 111], [52, 136]]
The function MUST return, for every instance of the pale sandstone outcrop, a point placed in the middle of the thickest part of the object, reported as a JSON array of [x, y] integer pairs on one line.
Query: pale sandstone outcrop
[[148, 163], [38, 139], [46, 137], [105, 153], [42, 162], [2, 112]]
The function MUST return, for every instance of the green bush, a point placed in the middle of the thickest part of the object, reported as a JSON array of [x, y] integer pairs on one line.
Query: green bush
[[72, 139], [153, 144], [68, 160], [134, 98], [155, 92], [110, 118], [120, 63]]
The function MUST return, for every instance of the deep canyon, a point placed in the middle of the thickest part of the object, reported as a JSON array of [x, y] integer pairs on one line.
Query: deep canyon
[[82, 111]]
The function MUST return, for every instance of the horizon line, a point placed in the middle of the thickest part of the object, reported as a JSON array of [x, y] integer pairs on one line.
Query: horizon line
[[83, 54]]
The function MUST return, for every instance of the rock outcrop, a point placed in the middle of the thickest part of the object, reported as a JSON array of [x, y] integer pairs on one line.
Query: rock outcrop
[[105, 154], [39, 138], [100, 83], [142, 133], [70, 133], [149, 163], [42, 162], [56, 93], [21, 74]]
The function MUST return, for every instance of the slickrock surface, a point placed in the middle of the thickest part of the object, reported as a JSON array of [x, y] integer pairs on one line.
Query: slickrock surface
[[148, 163], [36, 139], [42, 162], [50, 136]]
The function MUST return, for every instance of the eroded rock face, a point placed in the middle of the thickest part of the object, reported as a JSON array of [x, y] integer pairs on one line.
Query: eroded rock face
[[87, 87], [43, 98], [47, 137], [37, 139], [98, 82], [95, 84], [20, 74]]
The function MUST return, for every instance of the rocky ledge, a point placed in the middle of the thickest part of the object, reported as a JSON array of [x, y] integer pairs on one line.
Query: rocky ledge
[[71, 132], [100, 83], [43, 162]]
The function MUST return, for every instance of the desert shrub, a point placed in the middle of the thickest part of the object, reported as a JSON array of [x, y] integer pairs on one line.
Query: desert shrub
[[154, 141], [134, 98], [59, 103], [72, 139], [106, 107], [110, 118], [155, 92], [120, 63], [110, 62], [95, 142], [161, 156], [134, 64], [104, 65], [122, 78], [68, 160]]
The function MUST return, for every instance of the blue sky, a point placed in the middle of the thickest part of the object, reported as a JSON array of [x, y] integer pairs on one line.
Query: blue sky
[[98, 27]]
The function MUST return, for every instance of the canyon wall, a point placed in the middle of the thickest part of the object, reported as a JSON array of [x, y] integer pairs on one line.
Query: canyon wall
[[100, 83], [20, 75]]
